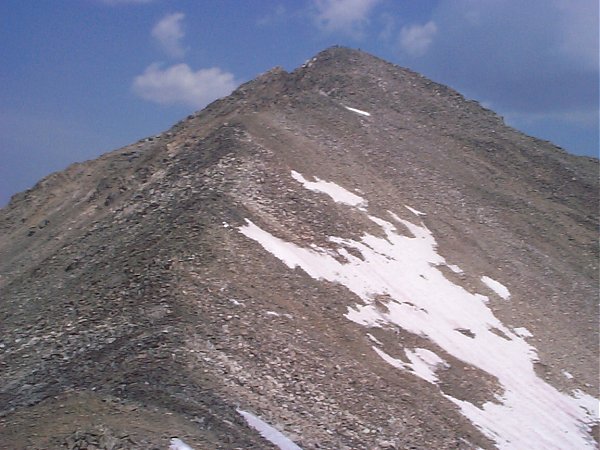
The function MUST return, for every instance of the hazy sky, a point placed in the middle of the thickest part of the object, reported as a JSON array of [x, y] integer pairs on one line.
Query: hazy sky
[[82, 77]]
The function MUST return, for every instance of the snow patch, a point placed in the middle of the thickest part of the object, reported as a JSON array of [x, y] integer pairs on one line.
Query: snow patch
[[374, 339], [357, 111], [423, 363], [454, 268], [523, 332], [497, 287], [398, 364], [271, 434], [336, 192], [567, 375], [272, 313], [529, 414], [414, 211], [178, 444]]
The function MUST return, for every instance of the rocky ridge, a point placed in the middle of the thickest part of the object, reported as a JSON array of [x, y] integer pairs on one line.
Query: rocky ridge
[[129, 292]]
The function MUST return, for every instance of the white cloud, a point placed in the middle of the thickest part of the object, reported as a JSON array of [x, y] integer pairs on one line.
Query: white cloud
[[346, 16], [416, 39], [179, 84], [578, 31], [277, 15], [168, 32], [387, 24]]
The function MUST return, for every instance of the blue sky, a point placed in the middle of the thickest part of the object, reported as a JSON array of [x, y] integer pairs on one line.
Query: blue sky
[[82, 77]]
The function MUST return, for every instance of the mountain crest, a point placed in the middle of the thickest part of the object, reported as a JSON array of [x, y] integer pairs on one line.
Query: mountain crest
[[348, 255]]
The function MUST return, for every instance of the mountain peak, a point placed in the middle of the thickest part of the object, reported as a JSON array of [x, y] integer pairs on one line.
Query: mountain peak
[[342, 52], [347, 255]]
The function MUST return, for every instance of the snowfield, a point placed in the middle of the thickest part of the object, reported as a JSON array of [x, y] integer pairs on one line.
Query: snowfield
[[530, 413]]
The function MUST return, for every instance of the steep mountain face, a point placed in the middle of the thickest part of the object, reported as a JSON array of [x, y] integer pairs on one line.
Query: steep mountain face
[[351, 253]]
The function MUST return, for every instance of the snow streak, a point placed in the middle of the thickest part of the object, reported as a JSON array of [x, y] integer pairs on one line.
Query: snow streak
[[271, 434], [497, 287], [357, 111]]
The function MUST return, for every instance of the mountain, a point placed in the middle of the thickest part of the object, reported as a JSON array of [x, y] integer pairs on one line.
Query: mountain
[[345, 256]]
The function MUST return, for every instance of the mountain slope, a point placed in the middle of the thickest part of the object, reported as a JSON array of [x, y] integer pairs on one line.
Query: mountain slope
[[215, 266]]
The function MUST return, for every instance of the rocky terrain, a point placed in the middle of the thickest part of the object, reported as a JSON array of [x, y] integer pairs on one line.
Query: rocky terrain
[[354, 254]]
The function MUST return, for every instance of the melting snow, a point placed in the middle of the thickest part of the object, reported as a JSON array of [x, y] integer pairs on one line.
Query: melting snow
[[423, 362], [497, 287], [357, 111], [374, 339], [454, 268], [337, 193], [530, 413], [268, 432], [523, 332], [178, 444], [414, 211]]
